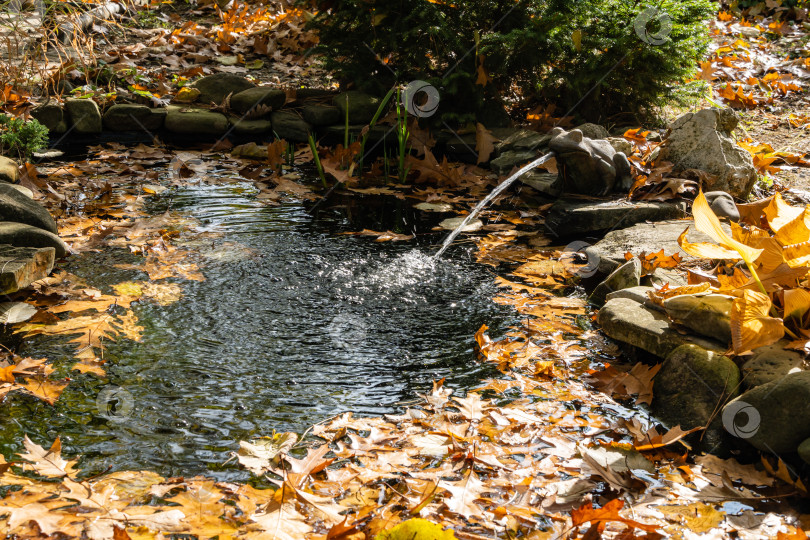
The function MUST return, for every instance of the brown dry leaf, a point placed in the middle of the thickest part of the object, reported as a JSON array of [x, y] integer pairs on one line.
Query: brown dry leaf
[[484, 143], [387, 236], [652, 440], [751, 324], [47, 462], [464, 493], [609, 512]]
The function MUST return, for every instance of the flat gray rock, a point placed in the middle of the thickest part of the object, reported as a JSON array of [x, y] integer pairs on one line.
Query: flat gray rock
[[644, 237], [628, 321], [84, 115], [246, 100], [21, 266], [692, 385], [132, 117], [17, 207], [773, 417], [624, 277], [9, 172], [572, 216], [770, 363], [197, 122], [321, 115], [21, 235], [215, 88], [290, 127]]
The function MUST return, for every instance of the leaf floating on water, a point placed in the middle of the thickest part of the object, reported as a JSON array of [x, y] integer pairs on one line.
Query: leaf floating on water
[[47, 462], [16, 312], [451, 224], [387, 236], [259, 455]]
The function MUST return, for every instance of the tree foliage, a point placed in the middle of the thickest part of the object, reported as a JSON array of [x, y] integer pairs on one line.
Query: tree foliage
[[593, 55]]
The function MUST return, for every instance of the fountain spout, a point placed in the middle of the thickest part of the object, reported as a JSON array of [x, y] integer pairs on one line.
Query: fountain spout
[[495, 192]]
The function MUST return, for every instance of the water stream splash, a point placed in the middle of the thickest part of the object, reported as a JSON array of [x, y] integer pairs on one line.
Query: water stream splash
[[495, 192]]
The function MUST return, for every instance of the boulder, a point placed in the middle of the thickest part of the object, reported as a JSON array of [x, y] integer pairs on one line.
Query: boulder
[[21, 235], [642, 237], [246, 100], [664, 276], [691, 386], [770, 363], [545, 183], [9, 171], [620, 144], [723, 205], [523, 139], [575, 216], [313, 94], [708, 314], [773, 417], [51, 115], [215, 88], [638, 294], [628, 321], [510, 159], [251, 128], [21, 266], [84, 115], [198, 122], [804, 450], [593, 131], [321, 115], [17, 207], [362, 107], [133, 117], [702, 140], [626, 276], [290, 127]]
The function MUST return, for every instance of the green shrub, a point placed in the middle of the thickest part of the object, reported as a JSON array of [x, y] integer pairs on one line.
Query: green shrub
[[559, 51], [21, 139]]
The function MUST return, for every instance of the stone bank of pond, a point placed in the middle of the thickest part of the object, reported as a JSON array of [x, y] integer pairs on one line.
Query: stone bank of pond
[[293, 324]]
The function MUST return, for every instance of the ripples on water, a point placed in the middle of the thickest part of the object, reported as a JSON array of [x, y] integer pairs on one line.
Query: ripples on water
[[293, 324]]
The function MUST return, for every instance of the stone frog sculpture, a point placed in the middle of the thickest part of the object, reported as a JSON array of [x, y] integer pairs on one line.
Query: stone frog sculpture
[[589, 166]]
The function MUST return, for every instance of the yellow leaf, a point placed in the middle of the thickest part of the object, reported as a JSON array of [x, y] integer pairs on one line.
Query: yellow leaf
[[779, 213], [46, 390], [576, 37], [707, 223], [797, 303], [796, 230], [705, 250], [751, 325], [417, 529]]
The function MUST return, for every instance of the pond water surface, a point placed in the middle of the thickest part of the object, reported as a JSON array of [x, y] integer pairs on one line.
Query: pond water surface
[[293, 324]]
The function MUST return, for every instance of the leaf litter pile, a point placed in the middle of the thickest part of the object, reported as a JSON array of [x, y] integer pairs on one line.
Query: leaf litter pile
[[536, 453]]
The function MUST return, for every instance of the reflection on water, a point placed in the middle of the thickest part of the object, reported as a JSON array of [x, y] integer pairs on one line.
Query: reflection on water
[[293, 324]]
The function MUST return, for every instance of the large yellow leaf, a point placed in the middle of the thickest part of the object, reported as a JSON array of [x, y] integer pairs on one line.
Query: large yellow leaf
[[779, 213], [751, 325], [797, 254], [706, 250], [707, 223], [795, 231], [797, 303]]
